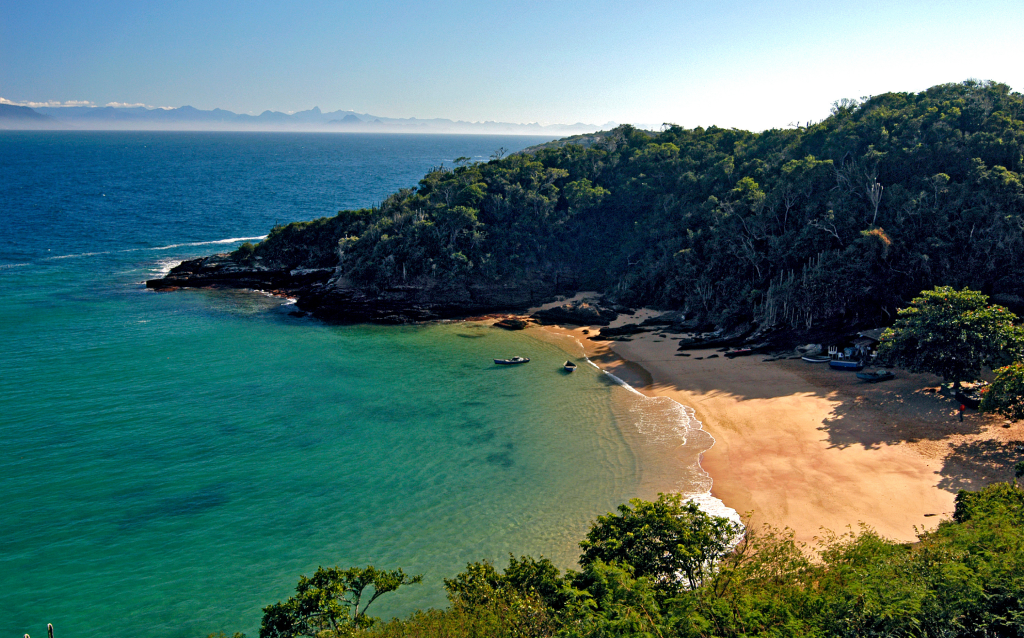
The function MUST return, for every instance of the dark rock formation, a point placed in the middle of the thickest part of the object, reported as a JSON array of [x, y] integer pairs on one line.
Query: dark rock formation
[[623, 331], [579, 313], [223, 270], [512, 323], [331, 298], [721, 339]]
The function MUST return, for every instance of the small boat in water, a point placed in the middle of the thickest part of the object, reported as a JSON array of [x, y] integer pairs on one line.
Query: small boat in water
[[845, 364], [512, 361], [569, 366], [875, 377]]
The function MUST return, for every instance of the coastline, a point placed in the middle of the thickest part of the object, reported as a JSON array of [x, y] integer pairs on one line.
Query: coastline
[[804, 447]]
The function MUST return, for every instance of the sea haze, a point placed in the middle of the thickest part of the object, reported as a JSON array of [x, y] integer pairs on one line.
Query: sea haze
[[174, 461]]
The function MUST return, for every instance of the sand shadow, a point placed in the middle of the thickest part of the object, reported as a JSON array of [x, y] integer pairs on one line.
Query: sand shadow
[[876, 415], [975, 464]]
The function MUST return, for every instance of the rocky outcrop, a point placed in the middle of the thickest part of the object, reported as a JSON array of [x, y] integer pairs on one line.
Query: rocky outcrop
[[337, 301], [626, 330], [512, 323], [325, 295], [579, 313], [224, 271], [721, 339]]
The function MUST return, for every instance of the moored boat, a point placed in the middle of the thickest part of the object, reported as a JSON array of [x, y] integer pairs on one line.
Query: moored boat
[[875, 377], [845, 364], [512, 361], [569, 366], [816, 359]]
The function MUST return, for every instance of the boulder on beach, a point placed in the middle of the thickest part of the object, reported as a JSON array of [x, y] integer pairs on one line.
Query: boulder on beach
[[579, 313], [512, 323]]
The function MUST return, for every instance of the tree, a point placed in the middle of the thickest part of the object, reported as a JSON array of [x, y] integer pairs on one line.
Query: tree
[[952, 334], [664, 540], [1005, 395], [329, 602]]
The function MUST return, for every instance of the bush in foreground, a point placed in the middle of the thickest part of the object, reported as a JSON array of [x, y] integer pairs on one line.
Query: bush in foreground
[[966, 578]]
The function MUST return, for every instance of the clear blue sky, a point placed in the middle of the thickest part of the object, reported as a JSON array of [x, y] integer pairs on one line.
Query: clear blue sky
[[745, 64]]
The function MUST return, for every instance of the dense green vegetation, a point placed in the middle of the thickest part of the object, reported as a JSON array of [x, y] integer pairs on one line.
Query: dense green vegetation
[[1005, 395], [953, 333], [965, 578], [845, 218]]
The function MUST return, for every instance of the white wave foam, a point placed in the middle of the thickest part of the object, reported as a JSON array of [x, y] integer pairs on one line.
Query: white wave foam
[[664, 416], [74, 255], [163, 266], [229, 240], [618, 380], [8, 266], [285, 301]]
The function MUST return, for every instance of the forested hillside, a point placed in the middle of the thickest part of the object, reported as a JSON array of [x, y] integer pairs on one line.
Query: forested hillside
[[846, 218]]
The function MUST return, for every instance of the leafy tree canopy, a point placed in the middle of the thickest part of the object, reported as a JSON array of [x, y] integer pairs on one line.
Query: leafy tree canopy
[[668, 541], [332, 602], [952, 333]]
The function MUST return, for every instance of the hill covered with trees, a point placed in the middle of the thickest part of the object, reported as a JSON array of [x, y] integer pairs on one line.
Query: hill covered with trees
[[842, 220]]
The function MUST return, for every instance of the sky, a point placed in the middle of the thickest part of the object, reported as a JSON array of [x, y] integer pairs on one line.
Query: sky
[[743, 64]]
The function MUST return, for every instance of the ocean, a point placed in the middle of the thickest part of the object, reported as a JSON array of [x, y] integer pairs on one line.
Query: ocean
[[173, 461]]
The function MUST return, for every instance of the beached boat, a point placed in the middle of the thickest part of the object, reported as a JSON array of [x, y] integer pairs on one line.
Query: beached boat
[[816, 359], [845, 364], [875, 377], [569, 366], [512, 361]]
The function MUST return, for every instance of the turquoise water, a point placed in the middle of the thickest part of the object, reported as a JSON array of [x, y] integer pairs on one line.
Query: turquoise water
[[173, 461]]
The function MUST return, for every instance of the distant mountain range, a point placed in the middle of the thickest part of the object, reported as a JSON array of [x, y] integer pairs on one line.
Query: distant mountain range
[[187, 118]]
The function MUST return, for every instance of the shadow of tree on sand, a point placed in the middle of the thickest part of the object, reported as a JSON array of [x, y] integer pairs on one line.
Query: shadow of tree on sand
[[880, 418], [975, 464]]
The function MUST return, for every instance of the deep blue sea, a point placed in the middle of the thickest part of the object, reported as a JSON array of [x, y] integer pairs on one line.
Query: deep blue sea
[[172, 462]]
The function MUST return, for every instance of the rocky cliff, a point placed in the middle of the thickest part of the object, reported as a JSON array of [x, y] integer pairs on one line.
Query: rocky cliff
[[331, 297]]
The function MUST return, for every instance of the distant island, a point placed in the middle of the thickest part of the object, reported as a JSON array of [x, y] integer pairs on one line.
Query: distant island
[[834, 224], [187, 118]]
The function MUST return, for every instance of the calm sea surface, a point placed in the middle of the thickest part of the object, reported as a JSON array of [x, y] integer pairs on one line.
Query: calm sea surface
[[172, 462]]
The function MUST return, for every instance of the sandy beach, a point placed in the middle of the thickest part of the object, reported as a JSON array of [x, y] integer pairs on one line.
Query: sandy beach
[[801, 446]]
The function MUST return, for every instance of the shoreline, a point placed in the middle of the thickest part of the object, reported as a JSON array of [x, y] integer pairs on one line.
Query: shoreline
[[634, 377], [812, 449], [799, 446]]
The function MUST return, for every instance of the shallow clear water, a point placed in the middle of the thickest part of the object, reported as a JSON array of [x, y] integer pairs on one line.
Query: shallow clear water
[[173, 461]]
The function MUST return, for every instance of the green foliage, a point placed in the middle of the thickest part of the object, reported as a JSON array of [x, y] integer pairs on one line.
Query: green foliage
[[244, 253], [784, 227], [952, 334], [331, 602], [996, 502], [665, 541], [964, 579], [1005, 394]]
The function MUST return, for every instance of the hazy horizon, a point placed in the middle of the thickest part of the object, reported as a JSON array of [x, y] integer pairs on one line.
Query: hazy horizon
[[742, 64]]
